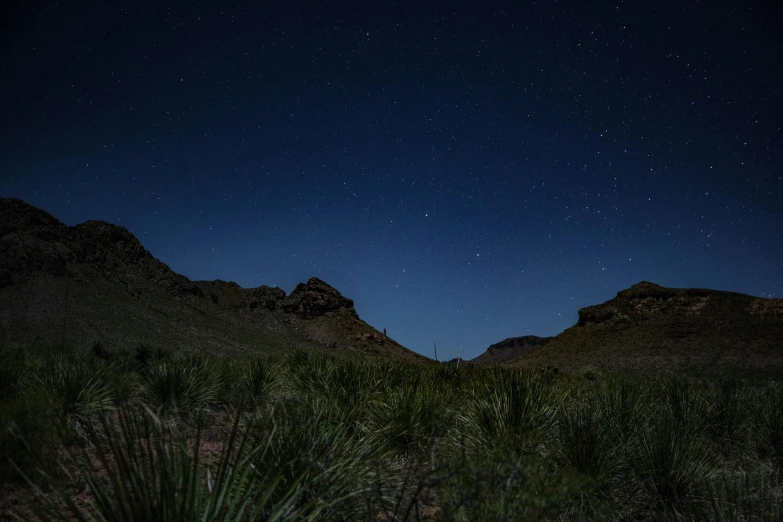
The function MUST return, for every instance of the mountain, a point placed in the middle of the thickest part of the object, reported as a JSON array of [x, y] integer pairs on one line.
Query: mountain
[[96, 282], [691, 330], [510, 348]]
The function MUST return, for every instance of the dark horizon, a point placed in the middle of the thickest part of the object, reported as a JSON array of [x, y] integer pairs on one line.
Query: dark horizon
[[464, 174]]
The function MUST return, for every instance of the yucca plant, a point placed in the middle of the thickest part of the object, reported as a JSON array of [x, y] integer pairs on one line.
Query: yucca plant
[[100, 351], [77, 392], [622, 403], [674, 462], [587, 444], [320, 377], [769, 424], [410, 417], [258, 382], [181, 385], [514, 408], [747, 496], [311, 445], [683, 401], [147, 473], [512, 485], [730, 417], [16, 365], [144, 354], [589, 448]]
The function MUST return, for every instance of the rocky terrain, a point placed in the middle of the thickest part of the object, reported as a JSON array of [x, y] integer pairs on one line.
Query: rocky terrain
[[510, 348], [96, 282], [690, 330]]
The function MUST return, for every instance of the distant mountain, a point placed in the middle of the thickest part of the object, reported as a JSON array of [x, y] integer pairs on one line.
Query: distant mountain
[[690, 330], [510, 348], [96, 282]]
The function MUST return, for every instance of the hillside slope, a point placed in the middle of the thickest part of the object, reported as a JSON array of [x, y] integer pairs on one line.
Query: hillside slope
[[651, 328], [96, 282]]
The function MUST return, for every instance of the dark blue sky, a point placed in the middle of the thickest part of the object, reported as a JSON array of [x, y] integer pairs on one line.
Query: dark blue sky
[[465, 172]]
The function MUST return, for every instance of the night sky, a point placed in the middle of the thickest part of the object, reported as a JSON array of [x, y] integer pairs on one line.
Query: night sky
[[465, 172]]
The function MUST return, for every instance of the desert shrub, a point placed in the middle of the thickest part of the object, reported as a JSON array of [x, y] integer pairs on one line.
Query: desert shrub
[[149, 473], [298, 359], [311, 446], [512, 407], [408, 418], [125, 386], [682, 400], [450, 375], [13, 371], [258, 381], [591, 452], [623, 405], [144, 354], [730, 418], [100, 351], [768, 426], [181, 386], [510, 486], [587, 444], [751, 496], [28, 432], [77, 391], [674, 461]]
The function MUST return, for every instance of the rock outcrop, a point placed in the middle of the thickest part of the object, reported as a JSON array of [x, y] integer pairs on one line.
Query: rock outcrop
[[645, 300], [316, 298], [265, 296]]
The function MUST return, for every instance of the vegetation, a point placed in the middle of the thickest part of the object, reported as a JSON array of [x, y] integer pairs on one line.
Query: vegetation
[[103, 434]]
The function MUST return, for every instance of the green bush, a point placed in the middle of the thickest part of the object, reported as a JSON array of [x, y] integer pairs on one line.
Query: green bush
[[258, 382], [77, 391], [29, 432], [587, 444], [512, 408], [410, 417], [181, 386], [149, 473], [674, 462]]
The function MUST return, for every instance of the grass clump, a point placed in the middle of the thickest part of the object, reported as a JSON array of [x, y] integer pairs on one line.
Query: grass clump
[[143, 471], [77, 390], [513, 408], [181, 386]]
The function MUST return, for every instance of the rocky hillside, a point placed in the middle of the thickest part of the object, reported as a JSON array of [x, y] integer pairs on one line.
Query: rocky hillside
[[510, 348], [651, 328], [96, 282]]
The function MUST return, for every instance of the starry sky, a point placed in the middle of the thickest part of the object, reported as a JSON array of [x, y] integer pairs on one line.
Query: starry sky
[[465, 171]]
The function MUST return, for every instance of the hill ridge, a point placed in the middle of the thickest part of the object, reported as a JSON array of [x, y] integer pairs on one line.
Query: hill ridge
[[103, 264], [691, 330], [510, 348]]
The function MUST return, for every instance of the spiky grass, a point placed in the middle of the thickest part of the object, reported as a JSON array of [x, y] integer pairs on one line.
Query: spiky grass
[[751, 496], [146, 472], [181, 386], [674, 462], [587, 444], [78, 391], [408, 418], [312, 444], [258, 382], [513, 407]]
